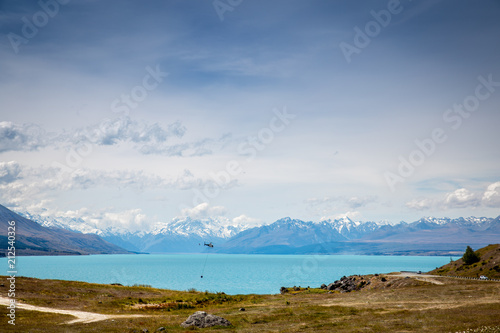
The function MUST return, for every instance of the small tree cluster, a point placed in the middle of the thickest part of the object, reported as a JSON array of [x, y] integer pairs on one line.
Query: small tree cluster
[[470, 257]]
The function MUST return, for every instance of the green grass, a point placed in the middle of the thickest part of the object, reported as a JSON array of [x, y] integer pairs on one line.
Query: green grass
[[397, 305]]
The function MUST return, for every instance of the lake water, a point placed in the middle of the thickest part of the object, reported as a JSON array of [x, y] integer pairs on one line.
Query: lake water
[[232, 274]]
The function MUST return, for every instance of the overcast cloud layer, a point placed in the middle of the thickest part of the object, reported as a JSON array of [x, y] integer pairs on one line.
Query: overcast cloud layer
[[134, 113]]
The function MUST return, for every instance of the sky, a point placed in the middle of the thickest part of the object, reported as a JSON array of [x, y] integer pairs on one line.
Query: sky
[[129, 113]]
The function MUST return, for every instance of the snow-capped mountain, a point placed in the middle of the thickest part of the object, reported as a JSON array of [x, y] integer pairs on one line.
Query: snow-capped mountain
[[182, 234], [293, 233], [287, 235], [474, 222], [35, 239], [68, 223], [204, 228], [427, 235], [352, 229], [283, 233]]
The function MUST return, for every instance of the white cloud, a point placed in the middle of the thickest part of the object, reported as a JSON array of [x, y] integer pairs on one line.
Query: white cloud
[[9, 171], [73, 214], [151, 139], [245, 220], [204, 210], [24, 187], [132, 219], [93, 221], [358, 202], [328, 206], [460, 198], [124, 129], [491, 197], [26, 137], [196, 148], [352, 215], [420, 204]]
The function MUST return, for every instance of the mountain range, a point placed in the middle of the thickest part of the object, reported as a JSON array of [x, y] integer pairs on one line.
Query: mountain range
[[429, 235], [31, 238], [181, 235]]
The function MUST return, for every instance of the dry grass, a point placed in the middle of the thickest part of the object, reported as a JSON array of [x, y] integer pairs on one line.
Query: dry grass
[[397, 305], [489, 265]]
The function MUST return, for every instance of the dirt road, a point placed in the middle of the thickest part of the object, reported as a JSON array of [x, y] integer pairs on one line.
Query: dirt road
[[81, 316], [423, 277]]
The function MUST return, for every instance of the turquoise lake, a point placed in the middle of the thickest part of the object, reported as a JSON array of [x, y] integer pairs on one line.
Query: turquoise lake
[[232, 274]]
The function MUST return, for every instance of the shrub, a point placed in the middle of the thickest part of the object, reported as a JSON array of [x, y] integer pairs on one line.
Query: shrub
[[470, 257]]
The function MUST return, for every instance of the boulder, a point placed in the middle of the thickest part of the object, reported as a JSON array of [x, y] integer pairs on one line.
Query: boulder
[[348, 284], [202, 319]]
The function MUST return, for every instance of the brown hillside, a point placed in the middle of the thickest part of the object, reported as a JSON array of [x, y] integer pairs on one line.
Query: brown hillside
[[30, 238], [489, 265]]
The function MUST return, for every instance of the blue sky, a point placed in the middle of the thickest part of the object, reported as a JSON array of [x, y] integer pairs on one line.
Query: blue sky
[[250, 110]]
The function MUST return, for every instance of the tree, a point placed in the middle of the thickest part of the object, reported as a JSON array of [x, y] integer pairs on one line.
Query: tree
[[470, 257]]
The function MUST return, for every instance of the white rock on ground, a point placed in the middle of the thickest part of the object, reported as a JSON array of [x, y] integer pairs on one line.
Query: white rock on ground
[[202, 319]]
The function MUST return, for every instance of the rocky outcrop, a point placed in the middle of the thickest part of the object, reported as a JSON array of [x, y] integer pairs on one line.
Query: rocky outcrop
[[202, 319], [347, 284]]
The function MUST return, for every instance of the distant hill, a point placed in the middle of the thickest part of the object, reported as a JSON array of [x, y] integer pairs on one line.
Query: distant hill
[[33, 239], [489, 265]]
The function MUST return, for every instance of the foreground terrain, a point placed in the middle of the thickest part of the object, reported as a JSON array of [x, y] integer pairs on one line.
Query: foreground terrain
[[390, 303]]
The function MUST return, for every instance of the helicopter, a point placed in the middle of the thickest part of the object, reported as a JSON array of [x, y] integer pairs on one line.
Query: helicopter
[[209, 245]]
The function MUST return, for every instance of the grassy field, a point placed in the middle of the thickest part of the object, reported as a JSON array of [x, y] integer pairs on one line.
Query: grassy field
[[398, 304]]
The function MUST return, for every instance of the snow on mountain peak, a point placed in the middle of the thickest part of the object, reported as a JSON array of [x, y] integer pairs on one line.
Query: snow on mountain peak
[[205, 228]]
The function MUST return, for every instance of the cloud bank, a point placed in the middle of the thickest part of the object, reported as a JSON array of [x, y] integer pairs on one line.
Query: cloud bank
[[460, 198]]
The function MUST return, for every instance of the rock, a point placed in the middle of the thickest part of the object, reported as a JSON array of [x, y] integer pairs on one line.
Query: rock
[[201, 319], [242, 309], [283, 290], [323, 286], [159, 329], [348, 284]]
